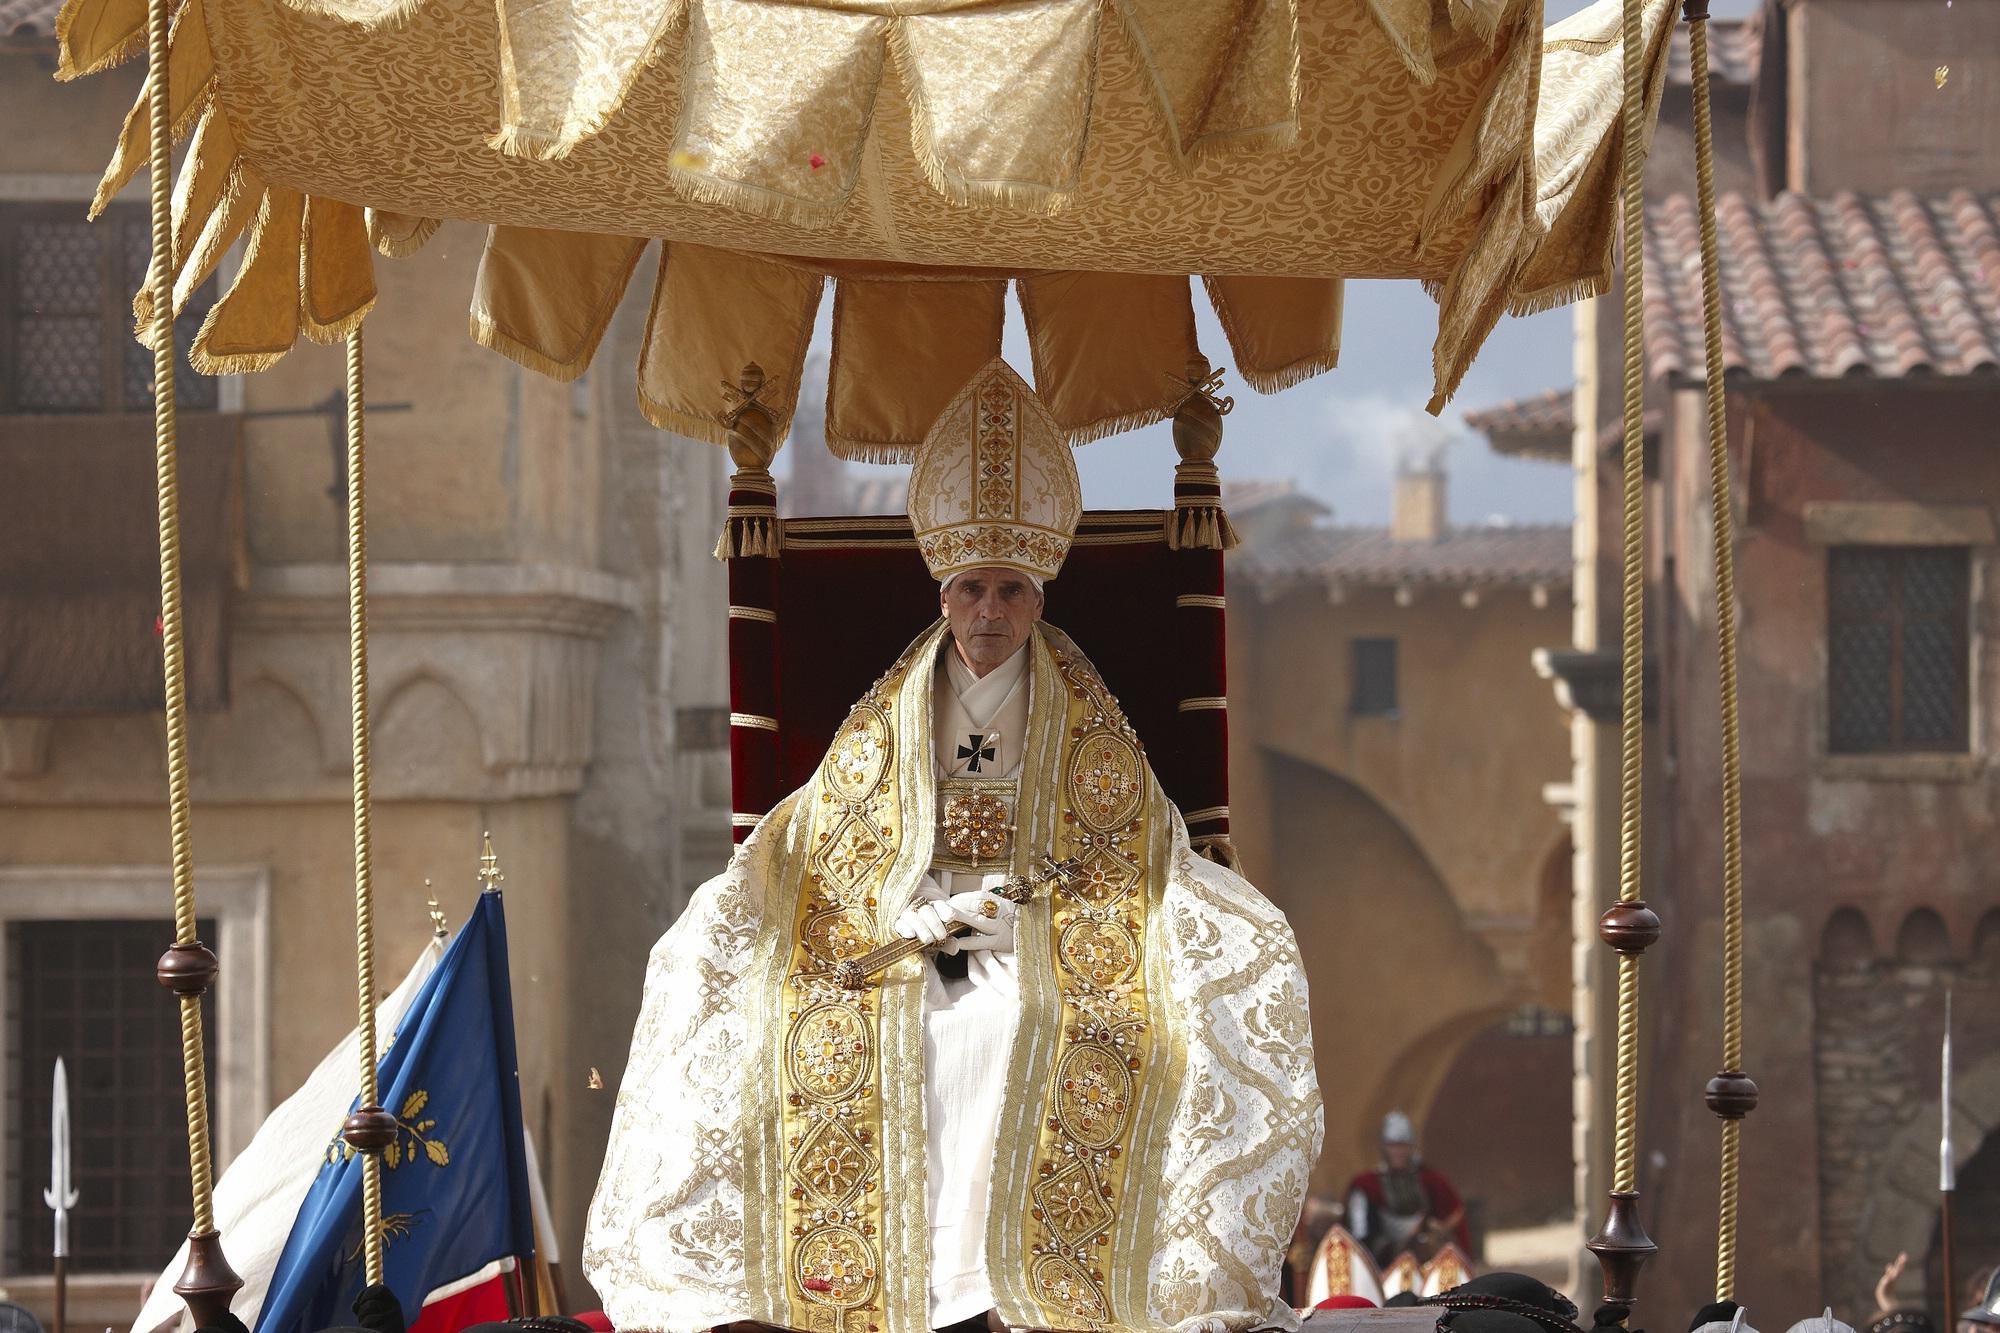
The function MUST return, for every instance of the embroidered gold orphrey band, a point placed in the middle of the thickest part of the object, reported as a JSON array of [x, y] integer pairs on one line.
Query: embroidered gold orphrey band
[[850, 1155], [1097, 927], [831, 1117]]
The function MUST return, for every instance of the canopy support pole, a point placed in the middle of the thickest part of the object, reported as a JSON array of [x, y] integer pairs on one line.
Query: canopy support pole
[[752, 536], [1731, 1094], [189, 967], [1198, 534], [1629, 926], [370, 1130]]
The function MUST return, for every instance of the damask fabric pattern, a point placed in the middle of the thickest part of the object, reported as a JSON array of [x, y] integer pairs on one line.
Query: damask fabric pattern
[[1414, 151], [705, 1215]]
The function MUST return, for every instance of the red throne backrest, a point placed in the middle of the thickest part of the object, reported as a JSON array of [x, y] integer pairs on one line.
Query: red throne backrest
[[851, 593]]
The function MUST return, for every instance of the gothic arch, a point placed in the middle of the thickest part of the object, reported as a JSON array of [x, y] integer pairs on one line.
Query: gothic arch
[[427, 741], [268, 739], [1922, 938], [1986, 939], [1847, 940], [1399, 981]]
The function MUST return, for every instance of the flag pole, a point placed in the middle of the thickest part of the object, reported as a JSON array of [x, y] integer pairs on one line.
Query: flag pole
[[60, 1195], [1947, 1174]]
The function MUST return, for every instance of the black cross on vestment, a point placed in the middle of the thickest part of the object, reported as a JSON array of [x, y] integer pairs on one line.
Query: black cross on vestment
[[981, 748]]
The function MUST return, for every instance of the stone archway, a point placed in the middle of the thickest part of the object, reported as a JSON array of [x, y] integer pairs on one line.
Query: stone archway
[[1904, 1191], [1975, 1217], [1399, 981]]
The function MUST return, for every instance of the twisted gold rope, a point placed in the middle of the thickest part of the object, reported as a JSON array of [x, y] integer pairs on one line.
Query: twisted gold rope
[[364, 879], [1632, 651], [1725, 630], [173, 630]]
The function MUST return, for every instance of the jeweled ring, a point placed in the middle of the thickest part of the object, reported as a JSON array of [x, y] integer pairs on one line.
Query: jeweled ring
[[989, 909]]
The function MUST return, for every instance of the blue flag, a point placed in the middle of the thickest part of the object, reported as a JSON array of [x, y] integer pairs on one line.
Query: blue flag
[[455, 1197]]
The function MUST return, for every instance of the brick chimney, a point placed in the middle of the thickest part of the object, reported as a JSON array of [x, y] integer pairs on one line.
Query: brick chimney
[[1418, 514]]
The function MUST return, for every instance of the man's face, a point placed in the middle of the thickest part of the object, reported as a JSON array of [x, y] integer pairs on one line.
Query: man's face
[[991, 611], [1397, 1155]]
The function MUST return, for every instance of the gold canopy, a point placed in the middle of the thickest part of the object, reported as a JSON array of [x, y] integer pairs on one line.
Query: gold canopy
[[922, 154]]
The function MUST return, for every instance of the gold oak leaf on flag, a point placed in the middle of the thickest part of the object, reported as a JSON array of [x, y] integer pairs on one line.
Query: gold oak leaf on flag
[[420, 1135]]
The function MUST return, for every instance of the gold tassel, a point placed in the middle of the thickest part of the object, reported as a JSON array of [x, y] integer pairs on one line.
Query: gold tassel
[[1200, 524], [751, 531]]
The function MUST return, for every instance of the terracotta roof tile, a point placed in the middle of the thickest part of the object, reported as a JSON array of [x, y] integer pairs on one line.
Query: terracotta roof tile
[[1247, 495], [28, 18], [1519, 554], [1890, 285], [1734, 48], [1537, 427]]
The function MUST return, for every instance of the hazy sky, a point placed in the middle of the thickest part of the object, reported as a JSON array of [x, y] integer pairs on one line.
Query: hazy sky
[[1339, 434]]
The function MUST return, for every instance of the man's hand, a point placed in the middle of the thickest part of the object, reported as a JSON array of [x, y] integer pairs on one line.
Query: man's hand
[[1885, 1287], [990, 916], [933, 916], [929, 918]]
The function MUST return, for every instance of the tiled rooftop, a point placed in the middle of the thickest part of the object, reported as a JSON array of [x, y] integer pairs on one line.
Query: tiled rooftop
[[1537, 427], [1517, 554], [1850, 285]]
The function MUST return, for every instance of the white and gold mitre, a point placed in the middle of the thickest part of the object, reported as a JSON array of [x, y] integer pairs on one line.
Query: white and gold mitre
[[995, 482]]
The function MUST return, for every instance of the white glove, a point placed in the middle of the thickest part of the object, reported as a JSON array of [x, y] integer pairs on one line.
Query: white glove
[[990, 916], [928, 918]]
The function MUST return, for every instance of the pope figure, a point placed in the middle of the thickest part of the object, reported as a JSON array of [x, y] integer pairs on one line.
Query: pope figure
[[1093, 1109]]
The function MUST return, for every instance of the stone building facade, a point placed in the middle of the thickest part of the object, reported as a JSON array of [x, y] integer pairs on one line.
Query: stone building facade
[[1390, 754], [546, 655], [1862, 330]]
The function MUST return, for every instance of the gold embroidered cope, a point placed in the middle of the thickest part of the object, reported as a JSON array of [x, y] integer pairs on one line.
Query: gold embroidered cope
[[768, 1158]]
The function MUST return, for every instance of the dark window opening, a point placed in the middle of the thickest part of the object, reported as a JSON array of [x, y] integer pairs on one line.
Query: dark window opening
[[1374, 678], [84, 990], [66, 324], [1897, 649]]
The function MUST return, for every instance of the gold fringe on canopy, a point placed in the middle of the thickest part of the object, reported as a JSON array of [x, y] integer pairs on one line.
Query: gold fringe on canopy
[[94, 35], [996, 99], [397, 235], [715, 311], [1105, 344], [307, 270], [1576, 168], [901, 351], [1281, 331], [544, 299], [1372, 138]]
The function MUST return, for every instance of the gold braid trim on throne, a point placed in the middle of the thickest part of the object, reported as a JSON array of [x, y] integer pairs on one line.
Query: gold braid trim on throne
[[768, 1155]]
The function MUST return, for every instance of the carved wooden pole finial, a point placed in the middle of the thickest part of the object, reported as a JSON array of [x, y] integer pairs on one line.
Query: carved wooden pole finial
[[752, 527], [1198, 521]]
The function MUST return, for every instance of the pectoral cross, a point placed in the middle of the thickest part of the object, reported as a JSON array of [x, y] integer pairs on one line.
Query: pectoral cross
[[980, 749]]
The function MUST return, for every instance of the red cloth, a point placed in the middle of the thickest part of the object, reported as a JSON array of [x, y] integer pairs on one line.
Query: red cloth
[[484, 1304], [596, 1319], [851, 593], [1346, 1303], [1442, 1198]]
